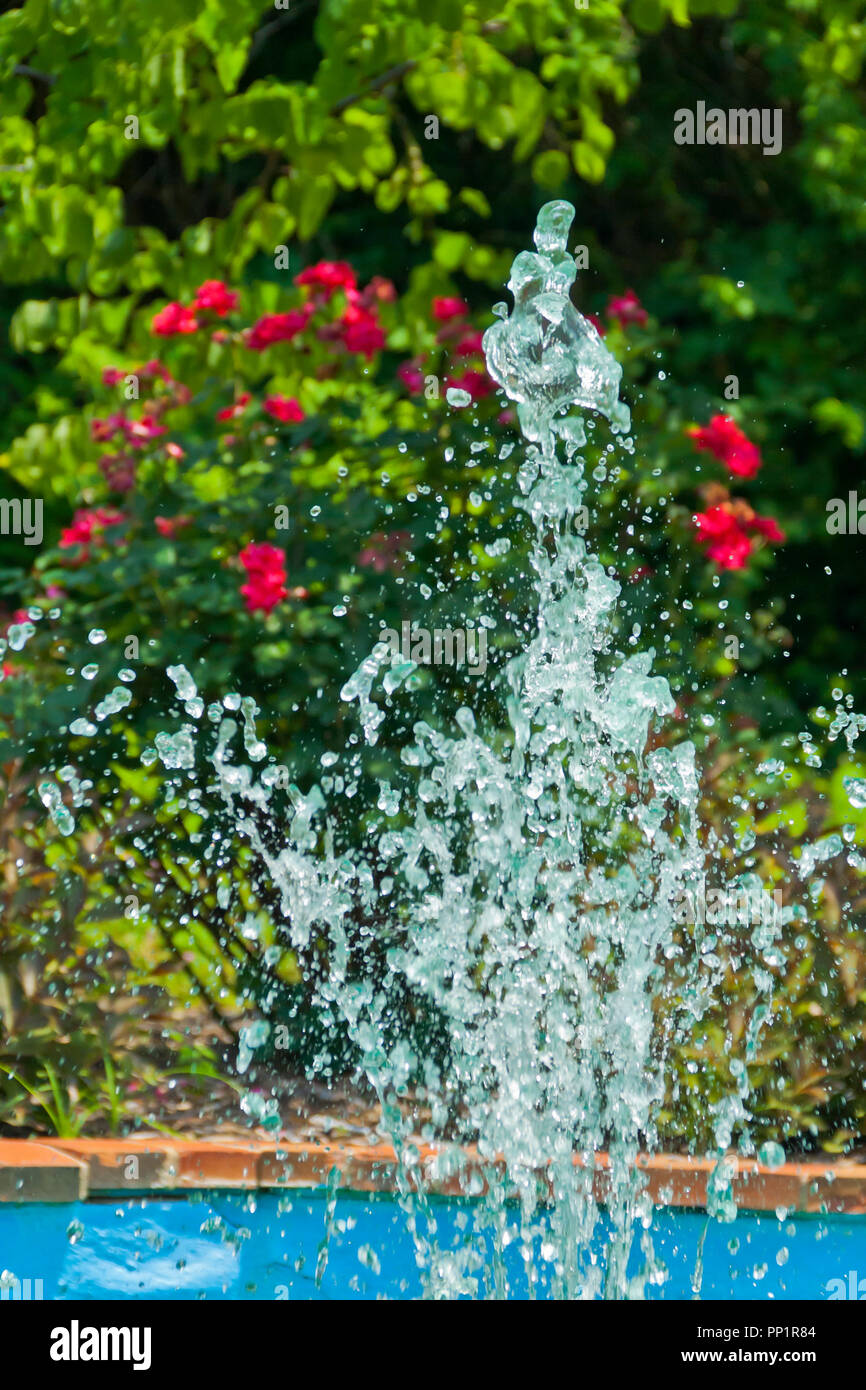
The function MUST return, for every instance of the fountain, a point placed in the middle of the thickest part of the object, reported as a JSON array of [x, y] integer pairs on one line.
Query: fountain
[[499, 947], [507, 949]]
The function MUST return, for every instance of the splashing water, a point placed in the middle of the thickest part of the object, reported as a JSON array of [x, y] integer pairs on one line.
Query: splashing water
[[521, 887], [499, 948]]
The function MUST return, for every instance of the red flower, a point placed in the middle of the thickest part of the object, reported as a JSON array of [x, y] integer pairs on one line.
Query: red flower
[[265, 565], [724, 439], [88, 525], [155, 368], [168, 525], [230, 412], [173, 319], [411, 374], [477, 384], [138, 432], [216, 296], [379, 290], [362, 333], [469, 343], [118, 470], [328, 276], [769, 528], [174, 450], [277, 328], [626, 308], [102, 430], [284, 408], [447, 307], [596, 323], [112, 375], [729, 528], [729, 546]]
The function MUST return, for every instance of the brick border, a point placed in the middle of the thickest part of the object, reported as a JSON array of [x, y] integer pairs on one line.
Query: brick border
[[66, 1170]]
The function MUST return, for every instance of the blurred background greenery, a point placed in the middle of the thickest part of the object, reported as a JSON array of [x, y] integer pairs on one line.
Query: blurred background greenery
[[146, 150]]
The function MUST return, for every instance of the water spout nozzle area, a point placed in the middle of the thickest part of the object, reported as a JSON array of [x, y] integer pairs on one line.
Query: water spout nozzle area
[[546, 355]]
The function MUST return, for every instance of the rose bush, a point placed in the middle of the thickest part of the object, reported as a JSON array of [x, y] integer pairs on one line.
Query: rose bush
[[256, 504]]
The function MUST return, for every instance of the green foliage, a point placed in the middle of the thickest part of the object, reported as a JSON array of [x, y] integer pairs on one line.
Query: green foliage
[[417, 141]]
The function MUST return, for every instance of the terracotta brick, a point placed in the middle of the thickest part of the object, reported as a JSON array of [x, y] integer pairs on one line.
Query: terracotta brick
[[836, 1187], [66, 1169], [217, 1164], [366, 1168], [32, 1172], [155, 1164]]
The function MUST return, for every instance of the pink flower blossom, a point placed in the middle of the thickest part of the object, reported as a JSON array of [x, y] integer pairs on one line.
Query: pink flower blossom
[[328, 276], [88, 525], [411, 374], [173, 319], [139, 432], [769, 528], [169, 525], [469, 343], [724, 439], [728, 529], [216, 297], [362, 333], [231, 412], [155, 368], [379, 291], [476, 384], [277, 328], [284, 408], [265, 565], [728, 544], [447, 307], [118, 470], [626, 308]]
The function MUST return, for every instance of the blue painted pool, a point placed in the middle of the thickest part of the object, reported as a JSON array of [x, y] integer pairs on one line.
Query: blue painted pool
[[297, 1246]]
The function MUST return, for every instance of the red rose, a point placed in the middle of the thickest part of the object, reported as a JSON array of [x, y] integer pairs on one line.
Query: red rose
[[328, 276], [469, 343], [230, 412], [169, 525], [173, 319], [724, 439], [216, 297], [284, 408], [276, 328], [728, 527], [362, 333], [446, 307], [476, 384], [626, 308], [265, 565], [412, 375], [88, 525], [138, 432]]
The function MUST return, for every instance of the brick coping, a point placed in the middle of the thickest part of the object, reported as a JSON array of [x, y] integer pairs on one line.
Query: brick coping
[[64, 1170]]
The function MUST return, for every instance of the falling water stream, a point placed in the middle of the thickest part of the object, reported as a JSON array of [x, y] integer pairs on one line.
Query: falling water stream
[[524, 887], [518, 890]]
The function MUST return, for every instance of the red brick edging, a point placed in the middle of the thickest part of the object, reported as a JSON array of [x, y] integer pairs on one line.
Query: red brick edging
[[65, 1170]]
